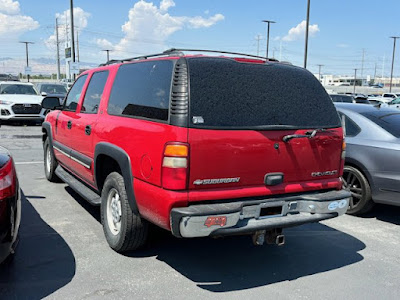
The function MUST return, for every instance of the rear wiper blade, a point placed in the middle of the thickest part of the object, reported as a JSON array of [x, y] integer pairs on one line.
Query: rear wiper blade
[[308, 134]]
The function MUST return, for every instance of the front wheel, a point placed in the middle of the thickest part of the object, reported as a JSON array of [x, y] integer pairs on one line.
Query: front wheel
[[124, 230], [361, 198], [50, 163]]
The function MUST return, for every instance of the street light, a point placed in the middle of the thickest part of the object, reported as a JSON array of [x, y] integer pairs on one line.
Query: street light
[[394, 50], [307, 25], [108, 53], [268, 24], [354, 84], [319, 72], [27, 54]]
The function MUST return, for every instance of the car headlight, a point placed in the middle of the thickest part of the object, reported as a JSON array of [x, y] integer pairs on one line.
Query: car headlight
[[5, 102]]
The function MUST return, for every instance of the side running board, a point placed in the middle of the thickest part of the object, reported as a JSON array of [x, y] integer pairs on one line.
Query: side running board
[[79, 187]]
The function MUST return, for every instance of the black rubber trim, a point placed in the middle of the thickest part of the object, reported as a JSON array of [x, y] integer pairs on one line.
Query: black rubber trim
[[46, 127], [75, 154], [225, 208], [122, 158]]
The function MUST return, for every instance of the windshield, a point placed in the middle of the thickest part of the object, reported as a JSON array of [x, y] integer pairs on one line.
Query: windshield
[[227, 93], [341, 98], [387, 120], [53, 89], [19, 89]]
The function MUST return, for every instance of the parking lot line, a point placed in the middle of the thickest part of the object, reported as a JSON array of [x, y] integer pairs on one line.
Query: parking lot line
[[29, 162]]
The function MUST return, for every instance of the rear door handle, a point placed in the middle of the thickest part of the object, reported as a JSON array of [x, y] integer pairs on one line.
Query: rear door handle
[[69, 124], [88, 130]]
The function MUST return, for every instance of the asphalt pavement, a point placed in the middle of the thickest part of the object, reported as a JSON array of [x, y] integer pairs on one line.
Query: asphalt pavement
[[63, 253]]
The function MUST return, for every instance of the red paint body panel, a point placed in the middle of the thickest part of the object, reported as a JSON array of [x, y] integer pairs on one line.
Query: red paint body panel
[[155, 203], [251, 155]]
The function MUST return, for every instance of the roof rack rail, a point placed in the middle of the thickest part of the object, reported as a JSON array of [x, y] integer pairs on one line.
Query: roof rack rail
[[172, 50], [165, 53], [179, 52]]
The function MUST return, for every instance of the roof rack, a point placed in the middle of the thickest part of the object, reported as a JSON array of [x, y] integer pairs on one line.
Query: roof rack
[[179, 52], [172, 50]]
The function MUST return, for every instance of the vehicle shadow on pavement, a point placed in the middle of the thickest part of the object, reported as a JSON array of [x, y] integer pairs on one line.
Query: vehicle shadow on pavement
[[43, 262], [234, 263], [385, 213]]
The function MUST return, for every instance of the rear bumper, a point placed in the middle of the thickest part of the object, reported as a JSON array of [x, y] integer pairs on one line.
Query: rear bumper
[[246, 216]]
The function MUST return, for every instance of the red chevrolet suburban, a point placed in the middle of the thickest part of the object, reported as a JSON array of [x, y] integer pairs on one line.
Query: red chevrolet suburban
[[199, 145]]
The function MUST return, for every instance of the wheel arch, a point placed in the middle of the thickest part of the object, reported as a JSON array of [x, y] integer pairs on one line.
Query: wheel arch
[[361, 167], [108, 158]]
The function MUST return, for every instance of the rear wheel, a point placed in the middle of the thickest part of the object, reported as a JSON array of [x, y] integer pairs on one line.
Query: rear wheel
[[124, 230], [361, 200], [50, 162]]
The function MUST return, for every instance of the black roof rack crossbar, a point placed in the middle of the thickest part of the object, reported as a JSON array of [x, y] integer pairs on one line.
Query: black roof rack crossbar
[[179, 52], [216, 51]]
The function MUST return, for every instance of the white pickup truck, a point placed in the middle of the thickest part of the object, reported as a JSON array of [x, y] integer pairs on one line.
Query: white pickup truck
[[385, 98], [20, 101]]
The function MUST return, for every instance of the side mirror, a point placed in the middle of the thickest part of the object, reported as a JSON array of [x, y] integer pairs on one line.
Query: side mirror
[[51, 103], [44, 94]]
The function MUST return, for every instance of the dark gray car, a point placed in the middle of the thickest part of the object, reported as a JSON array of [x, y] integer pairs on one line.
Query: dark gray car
[[372, 166]]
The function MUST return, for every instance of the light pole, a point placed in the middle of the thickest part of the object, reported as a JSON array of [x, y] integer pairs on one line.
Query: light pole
[[268, 24], [27, 54], [307, 25], [354, 84], [72, 32], [108, 53], [394, 50], [319, 72]]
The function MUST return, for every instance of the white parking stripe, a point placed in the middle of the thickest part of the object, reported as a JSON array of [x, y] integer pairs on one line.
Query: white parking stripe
[[29, 162]]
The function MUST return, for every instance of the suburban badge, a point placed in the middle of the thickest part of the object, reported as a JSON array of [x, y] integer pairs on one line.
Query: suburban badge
[[216, 181]]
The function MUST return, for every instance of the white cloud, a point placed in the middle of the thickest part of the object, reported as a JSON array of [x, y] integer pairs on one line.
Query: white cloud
[[342, 45], [9, 7], [166, 4], [298, 32], [198, 22], [104, 44], [148, 27], [80, 22], [12, 23]]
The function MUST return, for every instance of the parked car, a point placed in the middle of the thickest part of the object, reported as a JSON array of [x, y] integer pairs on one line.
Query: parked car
[[342, 98], [20, 101], [198, 145], [395, 103], [372, 166], [10, 205], [8, 77], [361, 99], [52, 89]]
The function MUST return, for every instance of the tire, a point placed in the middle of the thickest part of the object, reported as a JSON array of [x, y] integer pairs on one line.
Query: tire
[[50, 163], [361, 200], [124, 230]]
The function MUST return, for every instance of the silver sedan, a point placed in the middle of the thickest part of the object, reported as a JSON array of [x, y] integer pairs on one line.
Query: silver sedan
[[372, 165]]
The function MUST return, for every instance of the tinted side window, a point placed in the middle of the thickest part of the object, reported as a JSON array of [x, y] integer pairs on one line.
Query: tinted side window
[[71, 102], [94, 92], [352, 128], [142, 89]]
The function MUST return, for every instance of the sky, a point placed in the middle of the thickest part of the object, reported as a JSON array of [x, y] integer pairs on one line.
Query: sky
[[342, 32]]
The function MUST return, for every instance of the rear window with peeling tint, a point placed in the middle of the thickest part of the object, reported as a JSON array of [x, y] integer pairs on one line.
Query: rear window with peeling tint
[[228, 94]]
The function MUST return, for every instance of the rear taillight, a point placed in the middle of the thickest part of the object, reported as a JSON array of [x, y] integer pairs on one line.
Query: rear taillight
[[7, 180], [175, 166]]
